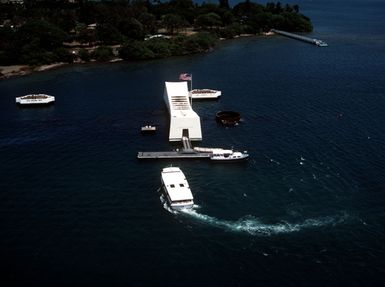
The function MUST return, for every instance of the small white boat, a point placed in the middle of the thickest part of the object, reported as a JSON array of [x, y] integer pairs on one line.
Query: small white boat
[[229, 155], [204, 94], [320, 43], [148, 129], [176, 188], [35, 99], [220, 154]]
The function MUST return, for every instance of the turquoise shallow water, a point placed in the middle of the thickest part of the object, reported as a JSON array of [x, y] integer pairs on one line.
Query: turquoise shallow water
[[77, 207]]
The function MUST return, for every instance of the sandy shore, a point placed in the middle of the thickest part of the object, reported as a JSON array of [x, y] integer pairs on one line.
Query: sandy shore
[[21, 70], [15, 70]]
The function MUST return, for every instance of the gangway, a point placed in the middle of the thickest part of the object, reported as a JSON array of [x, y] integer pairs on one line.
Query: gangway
[[186, 143]]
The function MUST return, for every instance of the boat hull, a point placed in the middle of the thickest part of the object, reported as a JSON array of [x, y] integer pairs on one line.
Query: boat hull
[[35, 100], [223, 159], [202, 94], [29, 103]]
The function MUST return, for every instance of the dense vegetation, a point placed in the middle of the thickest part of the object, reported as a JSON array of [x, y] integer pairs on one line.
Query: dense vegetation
[[46, 31]]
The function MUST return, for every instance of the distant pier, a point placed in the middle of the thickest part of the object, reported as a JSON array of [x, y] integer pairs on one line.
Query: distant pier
[[313, 41]]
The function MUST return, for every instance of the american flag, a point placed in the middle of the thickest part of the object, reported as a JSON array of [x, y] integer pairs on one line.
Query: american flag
[[185, 77]]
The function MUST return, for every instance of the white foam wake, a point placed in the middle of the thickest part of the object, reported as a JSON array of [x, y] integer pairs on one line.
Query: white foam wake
[[252, 225], [165, 205]]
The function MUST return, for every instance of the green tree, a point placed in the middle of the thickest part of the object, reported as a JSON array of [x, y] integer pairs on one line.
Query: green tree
[[148, 21], [108, 34], [135, 50], [102, 53], [224, 4], [63, 55], [172, 22], [160, 47], [132, 28], [44, 34], [84, 55], [208, 20]]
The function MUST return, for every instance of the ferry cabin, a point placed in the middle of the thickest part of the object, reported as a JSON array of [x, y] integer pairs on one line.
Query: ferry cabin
[[176, 188]]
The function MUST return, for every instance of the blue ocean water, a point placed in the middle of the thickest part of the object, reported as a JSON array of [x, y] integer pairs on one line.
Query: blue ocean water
[[78, 208]]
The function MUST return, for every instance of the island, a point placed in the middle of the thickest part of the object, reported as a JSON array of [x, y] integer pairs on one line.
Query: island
[[37, 35]]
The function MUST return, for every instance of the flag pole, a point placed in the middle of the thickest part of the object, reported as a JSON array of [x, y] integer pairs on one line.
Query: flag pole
[[191, 89]]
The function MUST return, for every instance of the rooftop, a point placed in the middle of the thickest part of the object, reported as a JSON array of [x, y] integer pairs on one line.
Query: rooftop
[[176, 184]]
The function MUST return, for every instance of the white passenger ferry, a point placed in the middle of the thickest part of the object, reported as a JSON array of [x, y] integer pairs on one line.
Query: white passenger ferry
[[176, 188], [205, 94], [220, 154], [35, 99]]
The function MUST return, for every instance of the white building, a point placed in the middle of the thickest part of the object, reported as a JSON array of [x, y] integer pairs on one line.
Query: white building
[[183, 120]]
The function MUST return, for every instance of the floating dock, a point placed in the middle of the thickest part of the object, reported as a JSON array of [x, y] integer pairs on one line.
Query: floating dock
[[186, 152], [179, 154], [317, 42]]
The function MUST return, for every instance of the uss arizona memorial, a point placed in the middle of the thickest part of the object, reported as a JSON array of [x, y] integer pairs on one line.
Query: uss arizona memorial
[[185, 126], [184, 122]]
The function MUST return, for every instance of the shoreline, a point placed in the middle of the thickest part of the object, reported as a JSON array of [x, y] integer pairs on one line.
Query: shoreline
[[7, 72], [13, 71]]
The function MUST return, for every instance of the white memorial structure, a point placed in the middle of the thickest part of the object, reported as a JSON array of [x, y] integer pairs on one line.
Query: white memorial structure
[[184, 122]]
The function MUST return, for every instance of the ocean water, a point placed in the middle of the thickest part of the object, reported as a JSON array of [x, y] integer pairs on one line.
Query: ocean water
[[307, 208]]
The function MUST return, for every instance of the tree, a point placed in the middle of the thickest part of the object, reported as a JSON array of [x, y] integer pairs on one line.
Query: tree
[[224, 4], [135, 50], [85, 35], [172, 22], [208, 20], [102, 53], [132, 28], [148, 21], [108, 34], [63, 55], [84, 55], [46, 35]]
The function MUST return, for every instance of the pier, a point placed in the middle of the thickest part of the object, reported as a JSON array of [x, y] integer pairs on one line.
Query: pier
[[186, 152], [313, 41], [178, 154]]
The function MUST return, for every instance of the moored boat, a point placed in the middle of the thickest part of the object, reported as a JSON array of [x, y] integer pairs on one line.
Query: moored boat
[[204, 94], [148, 129], [35, 99], [320, 43], [176, 188], [219, 154], [229, 155]]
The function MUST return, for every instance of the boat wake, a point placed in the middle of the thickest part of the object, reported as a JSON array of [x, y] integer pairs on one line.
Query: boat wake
[[252, 225]]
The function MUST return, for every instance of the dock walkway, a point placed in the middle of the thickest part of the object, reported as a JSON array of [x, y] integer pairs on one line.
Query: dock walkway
[[181, 154]]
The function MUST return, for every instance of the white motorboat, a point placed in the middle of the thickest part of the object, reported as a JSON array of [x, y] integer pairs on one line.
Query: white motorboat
[[228, 155], [148, 129], [176, 188], [320, 43], [35, 99], [205, 94], [219, 154]]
